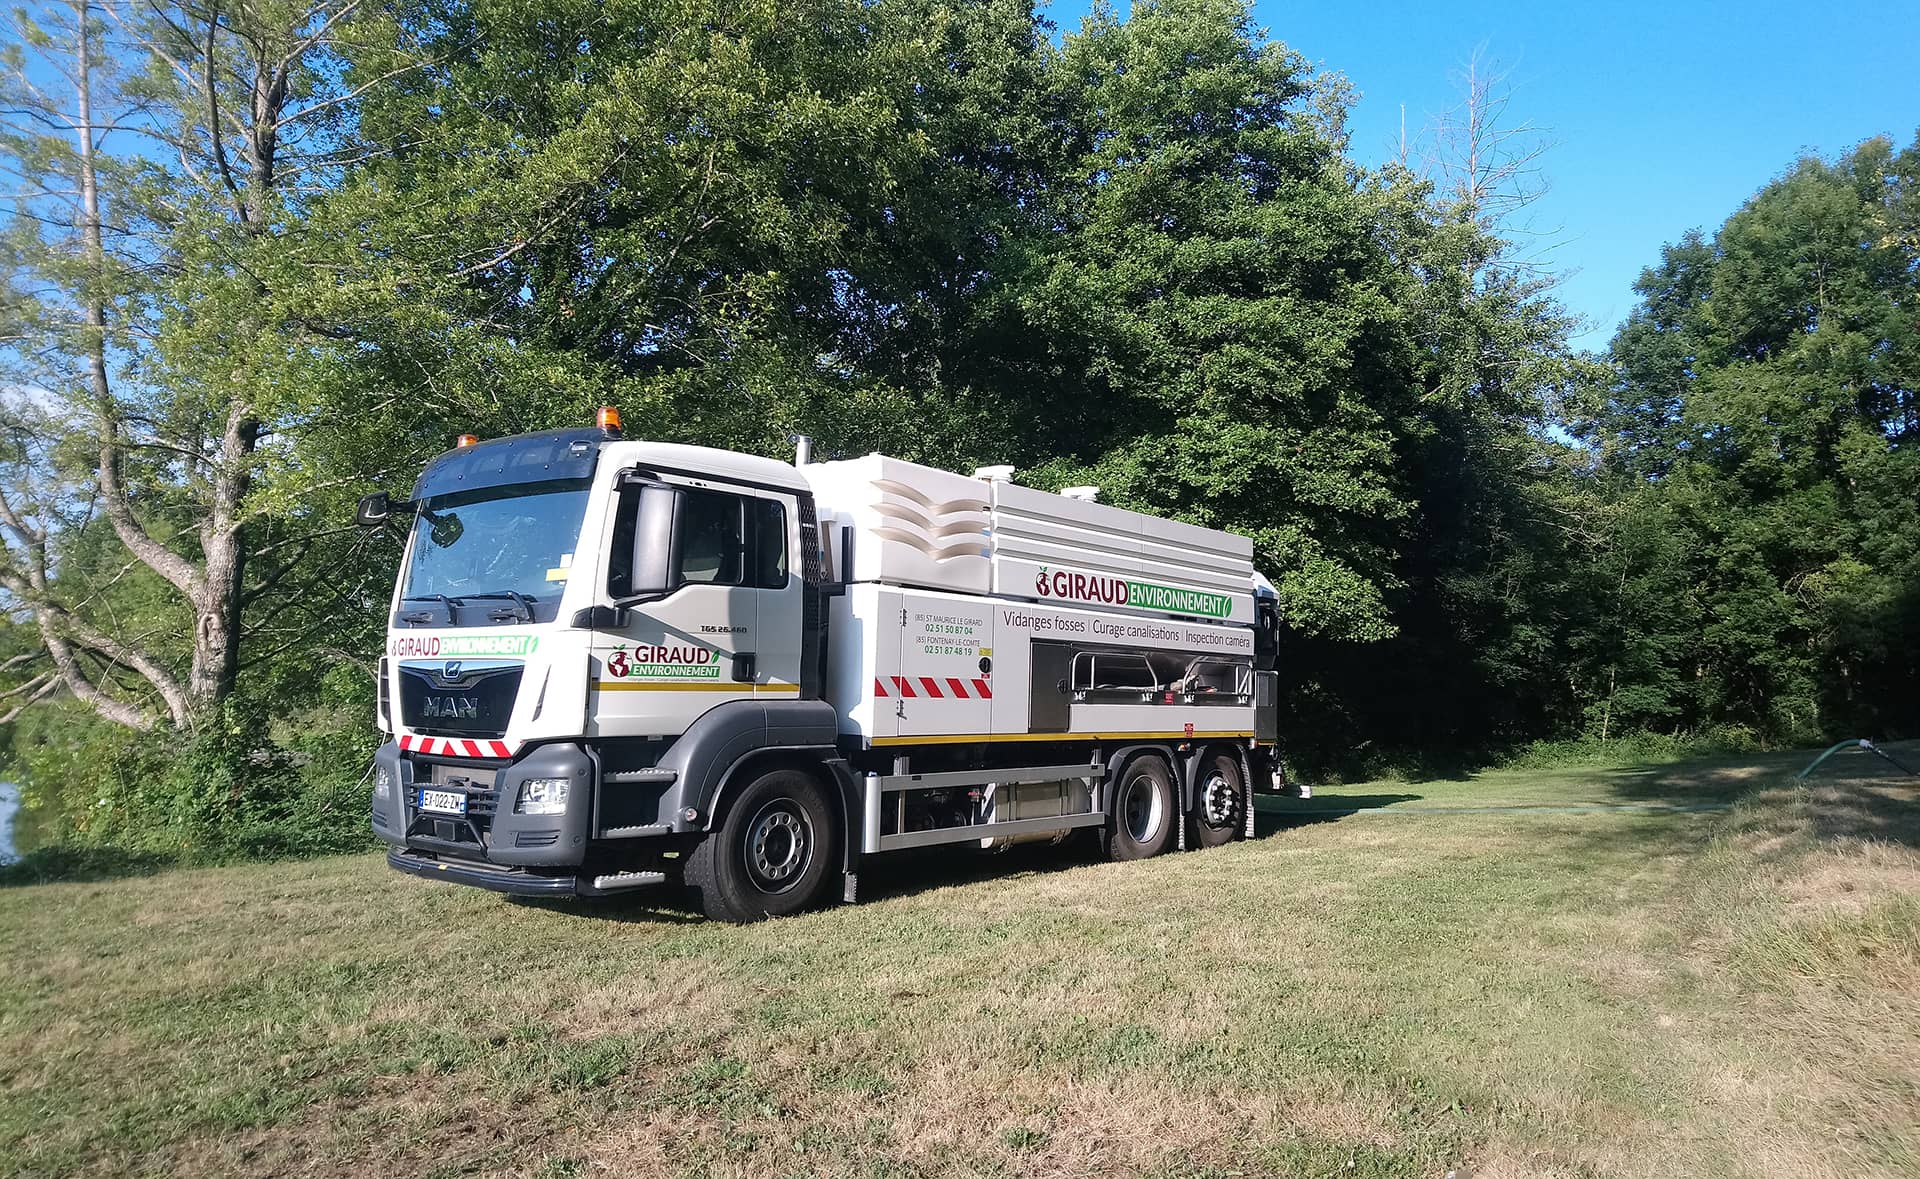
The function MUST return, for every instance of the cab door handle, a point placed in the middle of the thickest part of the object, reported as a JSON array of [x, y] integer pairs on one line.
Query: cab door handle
[[743, 667]]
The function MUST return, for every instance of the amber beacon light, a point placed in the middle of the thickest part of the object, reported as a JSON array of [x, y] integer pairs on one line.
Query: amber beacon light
[[465, 440], [608, 419]]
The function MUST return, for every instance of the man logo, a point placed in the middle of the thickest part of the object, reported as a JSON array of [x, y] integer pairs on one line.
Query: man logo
[[451, 708], [451, 671]]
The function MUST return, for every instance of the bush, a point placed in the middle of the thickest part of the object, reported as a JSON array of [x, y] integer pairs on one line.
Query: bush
[[240, 788], [1640, 747]]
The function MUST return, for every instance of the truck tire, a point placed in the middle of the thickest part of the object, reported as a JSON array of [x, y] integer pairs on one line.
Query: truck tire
[[770, 855], [1144, 810], [1217, 799]]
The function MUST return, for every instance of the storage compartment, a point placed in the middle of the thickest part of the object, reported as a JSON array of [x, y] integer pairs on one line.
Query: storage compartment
[[901, 523], [910, 525], [1050, 702], [1047, 546]]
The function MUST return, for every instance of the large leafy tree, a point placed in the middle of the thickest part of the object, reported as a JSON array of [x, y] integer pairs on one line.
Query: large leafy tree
[[1766, 395], [1205, 322], [736, 220]]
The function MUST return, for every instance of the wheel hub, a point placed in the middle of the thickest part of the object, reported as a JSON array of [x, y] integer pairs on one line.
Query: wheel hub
[[777, 848], [1219, 801], [1143, 809]]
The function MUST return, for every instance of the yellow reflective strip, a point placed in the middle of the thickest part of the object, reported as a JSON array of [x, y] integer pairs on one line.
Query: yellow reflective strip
[[690, 686], [969, 738]]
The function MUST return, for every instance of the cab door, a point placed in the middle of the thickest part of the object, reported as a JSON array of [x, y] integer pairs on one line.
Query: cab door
[[780, 630], [694, 647]]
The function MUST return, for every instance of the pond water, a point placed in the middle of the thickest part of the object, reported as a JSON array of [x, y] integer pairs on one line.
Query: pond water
[[9, 803]]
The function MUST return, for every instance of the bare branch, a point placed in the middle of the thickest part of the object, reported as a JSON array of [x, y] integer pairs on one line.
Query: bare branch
[[213, 120], [46, 688], [318, 35], [22, 660], [1488, 164]]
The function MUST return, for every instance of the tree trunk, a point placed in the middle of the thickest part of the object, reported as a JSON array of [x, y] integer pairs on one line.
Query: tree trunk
[[216, 636]]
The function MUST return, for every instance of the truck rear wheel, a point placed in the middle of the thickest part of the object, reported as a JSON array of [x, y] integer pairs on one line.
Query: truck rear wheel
[[1217, 800], [1144, 810], [772, 853]]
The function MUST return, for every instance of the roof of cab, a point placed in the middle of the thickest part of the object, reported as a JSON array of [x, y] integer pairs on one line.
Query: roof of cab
[[705, 462], [518, 458], [572, 454]]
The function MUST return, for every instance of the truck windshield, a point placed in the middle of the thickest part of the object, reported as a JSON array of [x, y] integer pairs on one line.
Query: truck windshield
[[504, 550]]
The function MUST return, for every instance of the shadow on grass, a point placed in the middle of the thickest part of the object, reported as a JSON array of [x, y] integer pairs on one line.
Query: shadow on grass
[[940, 867], [1758, 799], [1273, 813], [889, 876], [904, 875], [1885, 811], [666, 905], [943, 867], [65, 863], [1731, 779]]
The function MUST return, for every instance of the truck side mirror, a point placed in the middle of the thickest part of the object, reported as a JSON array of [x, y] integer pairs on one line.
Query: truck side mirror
[[1266, 633], [374, 510], [656, 541]]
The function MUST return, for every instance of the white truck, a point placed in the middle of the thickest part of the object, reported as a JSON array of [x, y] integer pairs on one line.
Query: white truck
[[615, 663]]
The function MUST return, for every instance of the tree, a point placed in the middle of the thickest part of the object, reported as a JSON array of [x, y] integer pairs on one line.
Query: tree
[[1485, 165], [1764, 397], [1203, 323], [157, 303], [735, 220]]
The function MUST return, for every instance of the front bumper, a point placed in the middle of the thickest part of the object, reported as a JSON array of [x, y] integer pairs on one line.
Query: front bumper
[[490, 830], [519, 882], [514, 881]]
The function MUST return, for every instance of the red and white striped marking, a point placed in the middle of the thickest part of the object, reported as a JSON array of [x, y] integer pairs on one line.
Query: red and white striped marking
[[454, 746], [933, 688]]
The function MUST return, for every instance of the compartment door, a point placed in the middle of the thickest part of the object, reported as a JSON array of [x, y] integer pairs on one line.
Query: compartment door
[[943, 685]]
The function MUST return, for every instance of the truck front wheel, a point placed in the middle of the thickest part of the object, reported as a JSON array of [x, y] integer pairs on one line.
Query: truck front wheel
[[1144, 811], [772, 853]]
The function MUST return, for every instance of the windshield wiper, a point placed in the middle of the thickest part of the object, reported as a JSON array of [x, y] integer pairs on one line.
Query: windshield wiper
[[523, 601], [450, 603]]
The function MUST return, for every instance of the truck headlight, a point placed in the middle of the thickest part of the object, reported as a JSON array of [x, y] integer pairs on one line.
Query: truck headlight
[[542, 796], [382, 784]]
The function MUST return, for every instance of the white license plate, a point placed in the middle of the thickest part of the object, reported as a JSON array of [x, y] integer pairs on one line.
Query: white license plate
[[445, 802]]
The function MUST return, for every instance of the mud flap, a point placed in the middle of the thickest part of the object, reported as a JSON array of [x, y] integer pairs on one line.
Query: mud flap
[[1246, 794]]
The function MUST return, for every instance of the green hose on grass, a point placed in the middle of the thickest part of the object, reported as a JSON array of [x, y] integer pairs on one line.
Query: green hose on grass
[[1860, 743]]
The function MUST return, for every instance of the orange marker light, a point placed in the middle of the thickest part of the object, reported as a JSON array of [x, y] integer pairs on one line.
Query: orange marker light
[[608, 419], [465, 440]]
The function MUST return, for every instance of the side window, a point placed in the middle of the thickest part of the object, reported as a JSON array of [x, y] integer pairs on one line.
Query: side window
[[721, 539], [626, 516], [712, 538], [770, 544]]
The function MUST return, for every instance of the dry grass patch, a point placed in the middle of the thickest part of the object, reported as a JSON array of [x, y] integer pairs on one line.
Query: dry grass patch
[[1578, 992]]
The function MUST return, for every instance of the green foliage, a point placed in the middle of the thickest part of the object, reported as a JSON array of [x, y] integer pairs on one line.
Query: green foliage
[[1641, 747], [1215, 309], [1765, 428], [241, 788], [1139, 257]]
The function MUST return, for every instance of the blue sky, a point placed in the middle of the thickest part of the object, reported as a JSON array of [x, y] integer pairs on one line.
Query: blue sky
[[1666, 117]]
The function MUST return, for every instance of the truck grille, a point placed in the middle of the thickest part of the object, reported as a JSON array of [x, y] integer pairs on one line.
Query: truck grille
[[456, 698]]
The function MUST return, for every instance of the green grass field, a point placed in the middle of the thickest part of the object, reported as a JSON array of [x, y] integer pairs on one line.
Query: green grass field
[[1506, 975]]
